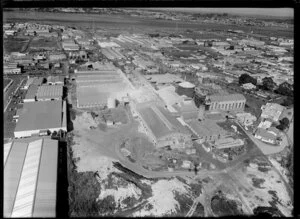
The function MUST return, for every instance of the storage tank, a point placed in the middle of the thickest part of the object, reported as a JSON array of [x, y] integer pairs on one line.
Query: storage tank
[[111, 103], [186, 88]]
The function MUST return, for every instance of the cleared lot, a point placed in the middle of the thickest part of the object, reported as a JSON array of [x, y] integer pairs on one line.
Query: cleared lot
[[15, 44]]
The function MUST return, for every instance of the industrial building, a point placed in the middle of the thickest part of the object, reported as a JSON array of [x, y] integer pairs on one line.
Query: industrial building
[[162, 128], [30, 178], [8, 70], [230, 102], [55, 80], [69, 45], [49, 92], [169, 96], [186, 88], [28, 83], [31, 93], [94, 87], [188, 110], [272, 111], [57, 57], [112, 53], [40, 116], [164, 78], [206, 130]]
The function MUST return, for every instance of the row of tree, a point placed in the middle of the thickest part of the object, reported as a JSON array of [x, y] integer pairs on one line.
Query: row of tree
[[268, 84]]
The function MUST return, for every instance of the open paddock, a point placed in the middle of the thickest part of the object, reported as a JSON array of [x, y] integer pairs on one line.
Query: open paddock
[[43, 43], [15, 44]]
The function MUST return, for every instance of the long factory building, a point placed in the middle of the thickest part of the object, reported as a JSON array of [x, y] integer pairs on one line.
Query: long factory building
[[30, 178], [230, 102]]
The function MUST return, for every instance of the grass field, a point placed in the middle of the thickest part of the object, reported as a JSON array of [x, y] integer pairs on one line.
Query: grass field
[[43, 42], [14, 45]]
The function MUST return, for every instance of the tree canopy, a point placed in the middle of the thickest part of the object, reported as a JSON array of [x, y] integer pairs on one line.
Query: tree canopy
[[245, 78], [284, 123], [268, 84], [285, 89]]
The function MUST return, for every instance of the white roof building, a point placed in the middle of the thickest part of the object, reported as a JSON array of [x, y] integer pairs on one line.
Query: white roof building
[[272, 111]]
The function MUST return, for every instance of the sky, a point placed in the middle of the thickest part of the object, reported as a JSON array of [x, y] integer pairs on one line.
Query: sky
[[278, 12]]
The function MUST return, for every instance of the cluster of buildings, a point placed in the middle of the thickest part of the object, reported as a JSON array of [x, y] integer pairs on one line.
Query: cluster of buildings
[[271, 113], [43, 108]]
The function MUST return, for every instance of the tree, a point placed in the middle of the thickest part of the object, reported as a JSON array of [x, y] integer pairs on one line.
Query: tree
[[284, 123], [288, 101], [44, 80], [245, 78], [268, 84], [285, 89]]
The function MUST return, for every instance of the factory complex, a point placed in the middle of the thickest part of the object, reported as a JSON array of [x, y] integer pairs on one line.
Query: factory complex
[[102, 118]]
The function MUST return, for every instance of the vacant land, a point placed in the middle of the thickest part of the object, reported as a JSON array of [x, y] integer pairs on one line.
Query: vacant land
[[43, 43], [15, 44], [253, 105]]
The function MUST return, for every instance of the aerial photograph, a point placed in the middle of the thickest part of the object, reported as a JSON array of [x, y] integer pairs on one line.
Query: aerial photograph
[[148, 112]]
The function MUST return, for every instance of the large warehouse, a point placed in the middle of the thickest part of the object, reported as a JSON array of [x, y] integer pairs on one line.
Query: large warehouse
[[94, 87], [30, 178], [207, 130], [163, 128], [230, 102], [38, 117]]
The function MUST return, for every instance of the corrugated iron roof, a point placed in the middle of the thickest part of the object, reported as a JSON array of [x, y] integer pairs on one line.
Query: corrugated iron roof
[[30, 179], [49, 91], [31, 92], [24, 201], [45, 197], [12, 173]]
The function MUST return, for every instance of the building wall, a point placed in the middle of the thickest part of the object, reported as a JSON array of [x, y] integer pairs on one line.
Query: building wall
[[48, 99], [29, 133], [228, 105], [29, 100]]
